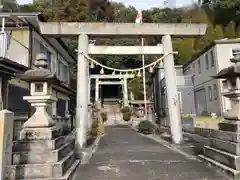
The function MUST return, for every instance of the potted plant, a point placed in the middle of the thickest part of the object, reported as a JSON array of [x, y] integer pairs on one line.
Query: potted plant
[[126, 111]]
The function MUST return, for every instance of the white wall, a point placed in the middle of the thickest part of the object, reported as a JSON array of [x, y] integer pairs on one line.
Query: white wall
[[205, 74], [17, 44], [203, 78]]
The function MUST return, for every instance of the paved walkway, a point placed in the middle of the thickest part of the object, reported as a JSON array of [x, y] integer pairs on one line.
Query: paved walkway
[[125, 155]]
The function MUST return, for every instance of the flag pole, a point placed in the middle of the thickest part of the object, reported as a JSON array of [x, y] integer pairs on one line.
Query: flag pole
[[144, 74]]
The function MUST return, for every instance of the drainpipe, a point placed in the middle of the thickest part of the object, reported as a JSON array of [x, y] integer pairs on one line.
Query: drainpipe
[[30, 60], [194, 94]]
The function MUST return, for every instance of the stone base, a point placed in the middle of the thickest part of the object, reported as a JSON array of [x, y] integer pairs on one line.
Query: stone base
[[43, 154], [224, 151], [50, 156], [222, 157], [40, 133]]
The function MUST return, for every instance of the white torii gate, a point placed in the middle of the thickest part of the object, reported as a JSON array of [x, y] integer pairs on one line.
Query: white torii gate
[[84, 30], [122, 81]]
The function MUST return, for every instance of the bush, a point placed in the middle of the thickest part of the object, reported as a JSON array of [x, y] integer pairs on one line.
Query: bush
[[145, 127], [104, 116], [127, 116], [94, 129], [97, 127]]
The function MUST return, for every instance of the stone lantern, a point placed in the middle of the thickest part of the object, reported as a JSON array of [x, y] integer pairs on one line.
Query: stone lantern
[[42, 152], [223, 149], [232, 76], [41, 81]]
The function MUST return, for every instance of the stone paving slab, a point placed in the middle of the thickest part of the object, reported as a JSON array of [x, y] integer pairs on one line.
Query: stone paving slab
[[125, 155]]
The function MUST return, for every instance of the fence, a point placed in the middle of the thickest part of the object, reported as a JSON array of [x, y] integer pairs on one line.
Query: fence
[[13, 50]]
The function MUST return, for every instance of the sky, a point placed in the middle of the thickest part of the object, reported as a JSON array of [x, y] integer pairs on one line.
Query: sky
[[142, 4]]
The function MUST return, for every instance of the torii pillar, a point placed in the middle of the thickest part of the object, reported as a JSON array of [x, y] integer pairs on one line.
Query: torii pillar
[[59, 29], [172, 96], [82, 92]]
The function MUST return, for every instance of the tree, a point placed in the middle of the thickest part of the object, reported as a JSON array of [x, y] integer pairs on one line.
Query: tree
[[10, 6], [221, 16]]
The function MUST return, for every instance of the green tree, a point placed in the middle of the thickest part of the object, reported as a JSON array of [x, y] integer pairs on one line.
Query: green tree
[[230, 30], [10, 6]]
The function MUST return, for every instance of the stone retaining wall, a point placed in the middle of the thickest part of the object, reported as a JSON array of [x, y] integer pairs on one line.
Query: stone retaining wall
[[200, 137]]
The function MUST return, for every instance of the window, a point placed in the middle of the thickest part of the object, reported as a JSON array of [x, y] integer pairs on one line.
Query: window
[[45, 51], [62, 70], [215, 91], [212, 59], [199, 66], [207, 61], [210, 93], [61, 107]]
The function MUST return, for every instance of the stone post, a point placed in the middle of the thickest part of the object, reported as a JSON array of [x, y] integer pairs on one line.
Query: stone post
[[97, 90], [6, 144], [125, 92], [82, 93], [172, 97]]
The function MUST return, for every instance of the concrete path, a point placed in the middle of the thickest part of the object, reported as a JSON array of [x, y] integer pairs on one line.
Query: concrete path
[[125, 155]]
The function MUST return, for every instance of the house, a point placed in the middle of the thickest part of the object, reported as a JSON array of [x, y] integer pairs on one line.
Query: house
[[197, 74], [20, 42], [184, 89], [207, 91]]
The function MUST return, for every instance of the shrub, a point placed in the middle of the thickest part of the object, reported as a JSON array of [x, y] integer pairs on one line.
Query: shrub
[[94, 129], [145, 127], [104, 116], [127, 116], [97, 127]]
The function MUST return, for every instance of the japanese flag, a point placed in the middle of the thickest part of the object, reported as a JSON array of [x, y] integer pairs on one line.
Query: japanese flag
[[139, 17]]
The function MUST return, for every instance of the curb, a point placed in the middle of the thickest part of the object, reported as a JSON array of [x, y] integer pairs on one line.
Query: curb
[[87, 153]]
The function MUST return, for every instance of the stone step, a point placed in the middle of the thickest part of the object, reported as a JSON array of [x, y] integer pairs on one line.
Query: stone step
[[39, 145], [225, 158], [232, 173], [47, 170], [36, 157], [225, 135], [67, 176], [230, 147]]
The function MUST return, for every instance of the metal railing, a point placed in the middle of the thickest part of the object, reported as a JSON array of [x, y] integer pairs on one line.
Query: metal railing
[[13, 50]]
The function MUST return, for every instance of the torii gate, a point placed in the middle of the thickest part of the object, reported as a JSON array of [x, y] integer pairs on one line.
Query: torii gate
[[84, 30], [122, 80]]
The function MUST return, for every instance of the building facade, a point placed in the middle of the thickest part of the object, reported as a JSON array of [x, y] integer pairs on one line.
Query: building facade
[[20, 42], [184, 88], [197, 74]]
